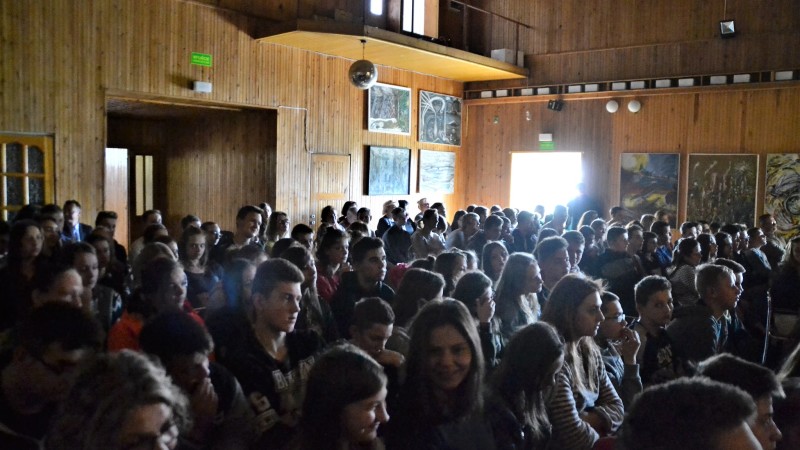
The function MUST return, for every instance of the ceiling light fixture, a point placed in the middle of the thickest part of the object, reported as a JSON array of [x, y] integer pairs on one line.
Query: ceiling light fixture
[[363, 74]]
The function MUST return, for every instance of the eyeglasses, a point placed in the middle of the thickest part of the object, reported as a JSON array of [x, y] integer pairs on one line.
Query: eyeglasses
[[620, 318]]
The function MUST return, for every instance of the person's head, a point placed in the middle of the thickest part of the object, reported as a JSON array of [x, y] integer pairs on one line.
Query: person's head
[[493, 259], [423, 204], [248, 221], [520, 277], [613, 317], [473, 289], [573, 307], [649, 242], [482, 212], [452, 266], [121, 400], [345, 400], [82, 257], [470, 224], [369, 260], [588, 235], [276, 295], [213, 233], [54, 212], [588, 217], [24, 241], [472, 260], [511, 214], [758, 381], [49, 345], [689, 230], [303, 234], [599, 226], [716, 285], [531, 360], [56, 282], [364, 215], [371, 325], [767, 223], [191, 220], [635, 239], [50, 231], [575, 246], [756, 238], [663, 216], [349, 204], [281, 245], [328, 215], [151, 216], [149, 253], [724, 245], [388, 206], [333, 247], [278, 225], [400, 216], [182, 345], [192, 246], [654, 301], [708, 247], [72, 212], [304, 260], [445, 359], [553, 259], [429, 219], [560, 214], [647, 221], [737, 269], [152, 231], [237, 282], [417, 287], [493, 228], [107, 220], [525, 223], [690, 414], [663, 232], [459, 214], [102, 246], [688, 252], [617, 238], [164, 285], [170, 243]]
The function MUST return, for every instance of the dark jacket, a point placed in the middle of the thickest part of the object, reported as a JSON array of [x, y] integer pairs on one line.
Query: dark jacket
[[344, 300], [695, 334]]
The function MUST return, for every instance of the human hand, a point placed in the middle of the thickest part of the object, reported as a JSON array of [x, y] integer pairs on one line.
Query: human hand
[[628, 345], [485, 309]]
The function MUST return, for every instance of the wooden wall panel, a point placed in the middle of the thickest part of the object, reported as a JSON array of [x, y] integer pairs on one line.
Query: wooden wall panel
[[730, 120]]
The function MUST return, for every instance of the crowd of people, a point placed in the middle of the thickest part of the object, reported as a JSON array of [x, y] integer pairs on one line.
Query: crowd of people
[[505, 329]]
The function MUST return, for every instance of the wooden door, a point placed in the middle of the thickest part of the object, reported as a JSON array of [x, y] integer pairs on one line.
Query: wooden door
[[115, 191], [330, 184]]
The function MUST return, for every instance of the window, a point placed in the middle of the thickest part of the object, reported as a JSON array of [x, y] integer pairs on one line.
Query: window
[[548, 179], [421, 17], [376, 7], [143, 181], [26, 172]]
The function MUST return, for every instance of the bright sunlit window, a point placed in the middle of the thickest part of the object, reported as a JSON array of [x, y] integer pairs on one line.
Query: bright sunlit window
[[376, 7], [414, 16], [547, 179]]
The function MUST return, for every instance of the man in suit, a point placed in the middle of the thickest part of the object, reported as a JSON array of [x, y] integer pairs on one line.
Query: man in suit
[[74, 230]]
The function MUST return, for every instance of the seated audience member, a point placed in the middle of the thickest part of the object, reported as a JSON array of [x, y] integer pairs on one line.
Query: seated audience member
[[331, 262], [248, 224], [689, 414], [441, 226], [48, 347], [511, 213], [493, 259], [756, 280], [482, 213], [600, 227], [231, 304], [553, 259], [163, 289], [758, 381], [619, 346], [635, 241], [386, 221], [515, 298], [315, 313], [647, 221], [724, 245], [647, 256], [57, 282], [664, 241], [576, 244], [373, 321], [689, 230], [708, 248], [345, 403], [546, 233], [657, 360], [170, 242], [787, 415], [619, 216], [525, 233], [366, 280], [277, 229], [273, 361], [149, 217], [456, 223], [417, 287], [397, 240], [491, 231], [559, 220], [213, 234], [515, 400], [74, 230], [149, 253], [451, 266], [440, 403], [234, 289], [683, 273], [349, 214], [16, 278], [304, 235], [427, 241], [410, 225], [468, 226], [701, 331], [745, 339], [585, 219], [423, 206], [51, 247], [591, 252], [776, 245], [202, 274], [584, 405], [328, 218], [221, 417], [190, 220], [619, 268], [111, 273], [786, 284], [121, 401], [102, 302], [281, 245], [475, 291]]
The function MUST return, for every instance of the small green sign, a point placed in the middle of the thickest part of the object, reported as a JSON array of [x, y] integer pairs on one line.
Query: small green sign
[[548, 145], [201, 59]]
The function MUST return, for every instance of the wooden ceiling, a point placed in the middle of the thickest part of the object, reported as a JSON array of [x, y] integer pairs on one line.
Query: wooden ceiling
[[390, 49]]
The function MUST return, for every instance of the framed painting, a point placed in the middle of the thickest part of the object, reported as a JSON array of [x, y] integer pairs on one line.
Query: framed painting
[[782, 193], [389, 171], [722, 188], [649, 182], [437, 172], [389, 109], [439, 118]]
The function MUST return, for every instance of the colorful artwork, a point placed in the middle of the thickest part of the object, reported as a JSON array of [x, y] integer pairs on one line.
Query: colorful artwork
[[649, 182], [389, 109], [439, 118], [722, 188], [782, 193], [436, 172], [389, 171]]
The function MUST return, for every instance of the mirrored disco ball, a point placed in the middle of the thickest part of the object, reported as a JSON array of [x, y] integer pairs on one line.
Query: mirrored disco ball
[[363, 74]]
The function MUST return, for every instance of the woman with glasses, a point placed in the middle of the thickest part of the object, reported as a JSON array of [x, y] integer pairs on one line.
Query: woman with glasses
[[619, 346], [475, 290]]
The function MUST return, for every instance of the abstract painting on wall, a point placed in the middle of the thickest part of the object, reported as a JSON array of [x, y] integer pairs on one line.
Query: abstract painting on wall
[[782, 193], [436, 172], [389, 109], [722, 188], [389, 171], [439, 118], [649, 182]]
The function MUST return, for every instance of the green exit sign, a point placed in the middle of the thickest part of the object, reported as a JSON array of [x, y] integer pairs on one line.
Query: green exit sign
[[547, 145], [201, 59]]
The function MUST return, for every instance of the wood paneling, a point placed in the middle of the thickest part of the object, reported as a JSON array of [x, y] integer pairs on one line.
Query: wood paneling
[[729, 120]]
